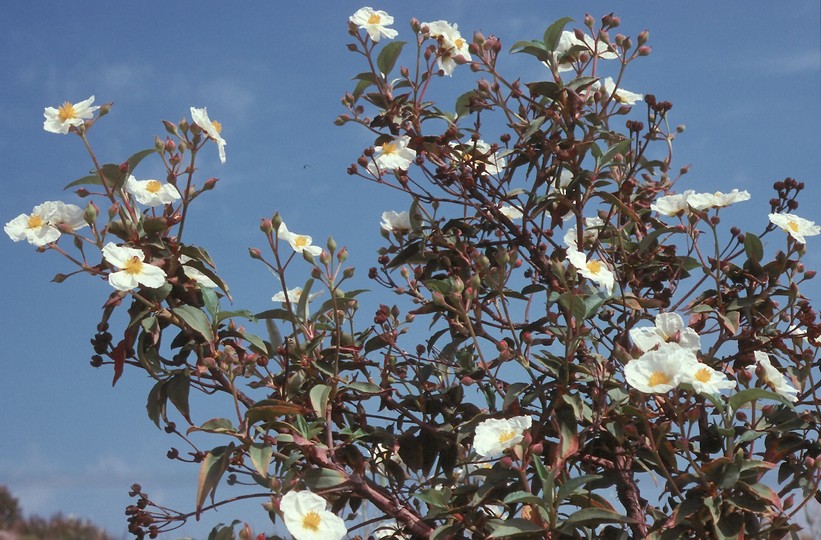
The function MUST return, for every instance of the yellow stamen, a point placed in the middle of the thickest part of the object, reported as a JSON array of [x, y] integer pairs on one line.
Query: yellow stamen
[[703, 375], [35, 221], [374, 19], [311, 521], [459, 43], [506, 436], [658, 377], [134, 265], [793, 225], [389, 148], [301, 241], [217, 126], [66, 112], [153, 186], [594, 266]]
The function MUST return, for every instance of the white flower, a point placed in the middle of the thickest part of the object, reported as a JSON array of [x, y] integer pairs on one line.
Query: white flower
[[621, 95], [211, 127], [592, 269], [701, 201], [374, 23], [669, 328], [705, 379], [590, 234], [673, 205], [305, 517], [479, 152], [568, 40], [496, 435], [293, 295], [660, 370], [453, 45], [133, 271], [394, 154], [510, 212], [398, 222], [774, 378], [299, 242], [195, 275], [67, 115], [797, 227], [151, 192], [40, 227]]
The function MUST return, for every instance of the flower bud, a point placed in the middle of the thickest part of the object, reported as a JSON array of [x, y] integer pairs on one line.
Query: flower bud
[[255, 253], [266, 226], [105, 108], [342, 256], [169, 145], [169, 127], [331, 244], [642, 37], [210, 184], [183, 125], [644, 50], [308, 257], [588, 21], [159, 145], [276, 221], [113, 210], [348, 273]]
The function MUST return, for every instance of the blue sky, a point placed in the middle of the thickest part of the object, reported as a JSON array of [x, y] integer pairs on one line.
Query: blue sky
[[745, 78]]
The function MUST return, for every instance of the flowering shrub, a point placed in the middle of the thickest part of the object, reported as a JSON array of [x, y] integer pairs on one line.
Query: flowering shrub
[[577, 349]]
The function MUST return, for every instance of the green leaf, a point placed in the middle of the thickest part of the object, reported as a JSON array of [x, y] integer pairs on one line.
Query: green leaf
[[365, 387], [523, 497], [319, 398], [573, 484], [463, 103], [388, 56], [547, 89], [155, 405], [620, 147], [214, 465], [516, 527], [751, 394], [215, 425], [177, 388], [554, 32], [261, 457], [302, 307], [593, 516], [270, 410], [753, 247], [533, 48], [196, 319], [319, 479]]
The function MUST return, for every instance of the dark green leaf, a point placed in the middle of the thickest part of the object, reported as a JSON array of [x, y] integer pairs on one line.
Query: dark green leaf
[[214, 465], [196, 319], [320, 479], [516, 527], [751, 394], [177, 388], [593, 516], [554, 32], [753, 247], [261, 457], [155, 405], [319, 398], [388, 56]]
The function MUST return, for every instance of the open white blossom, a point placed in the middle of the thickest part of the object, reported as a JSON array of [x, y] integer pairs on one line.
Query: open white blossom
[[797, 227], [151, 192], [621, 95], [306, 518], [773, 378], [211, 127], [133, 270], [294, 295], [40, 227], [299, 242], [196, 275], [564, 60], [68, 115], [478, 152], [702, 201], [393, 154], [397, 222], [495, 435], [592, 269], [590, 234], [453, 45], [510, 212], [673, 205], [669, 328], [704, 379], [660, 370], [374, 22]]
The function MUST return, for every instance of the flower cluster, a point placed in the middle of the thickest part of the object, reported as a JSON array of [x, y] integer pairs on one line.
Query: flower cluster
[[670, 358], [682, 203], [453, 48]]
